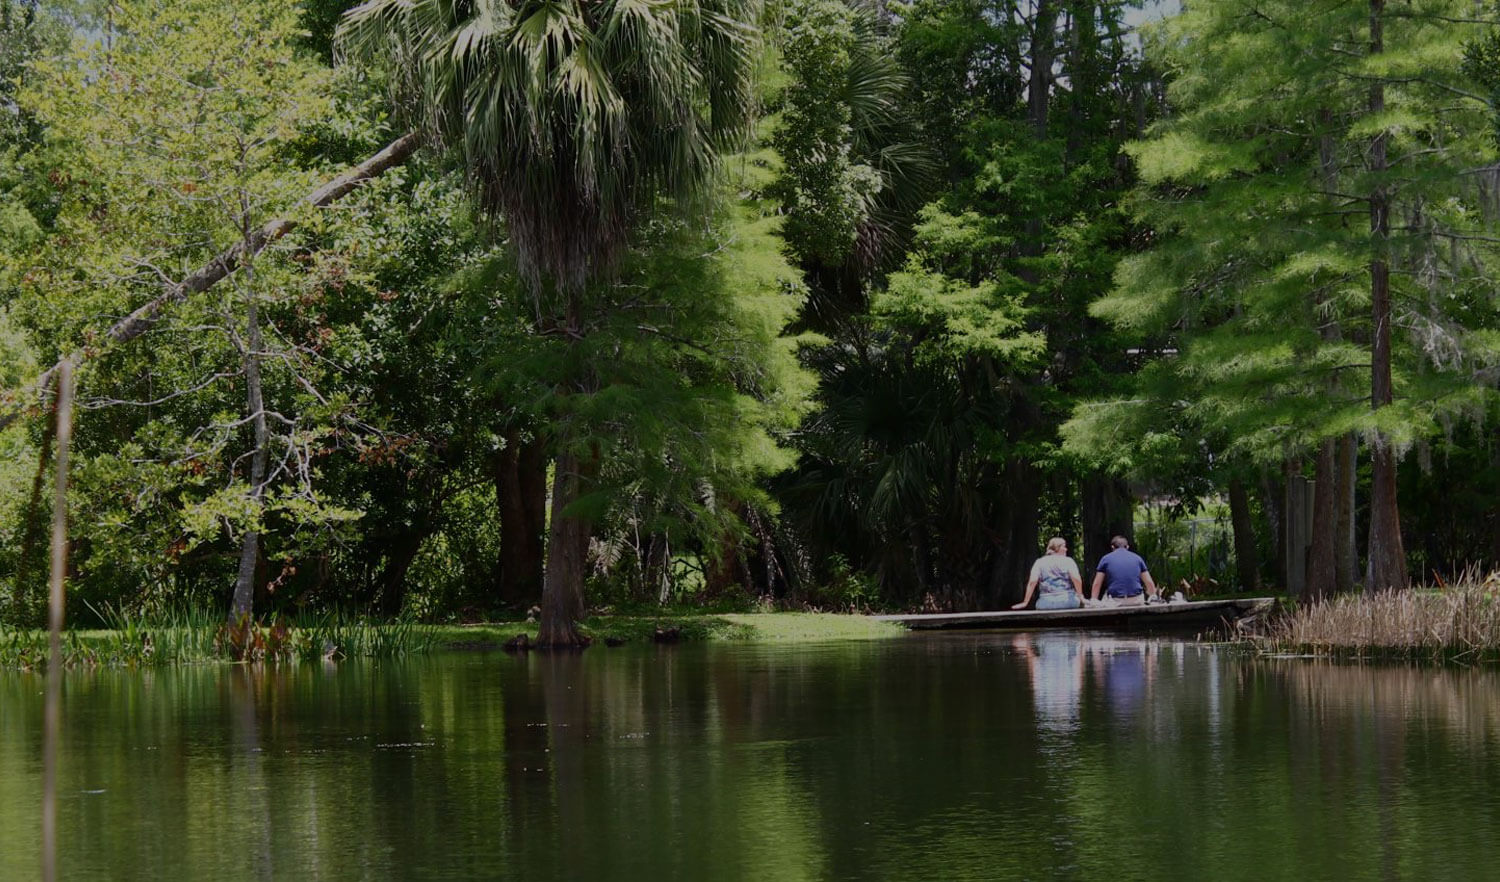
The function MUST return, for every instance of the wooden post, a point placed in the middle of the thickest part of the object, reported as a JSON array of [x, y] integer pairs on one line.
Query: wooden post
[[53, 719]]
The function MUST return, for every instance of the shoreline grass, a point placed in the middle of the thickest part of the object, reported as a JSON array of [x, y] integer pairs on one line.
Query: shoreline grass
[[196, 636], [200, 637], [1458, 623]]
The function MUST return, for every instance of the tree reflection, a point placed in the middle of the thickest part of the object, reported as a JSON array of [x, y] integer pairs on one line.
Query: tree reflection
[[979, 755]]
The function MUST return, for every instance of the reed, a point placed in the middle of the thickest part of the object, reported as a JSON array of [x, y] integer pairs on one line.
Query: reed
[[344, 635], [194, 635], [1453, 623]]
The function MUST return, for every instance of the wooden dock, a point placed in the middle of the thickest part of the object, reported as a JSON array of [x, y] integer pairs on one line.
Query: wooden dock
[[1156, 616]]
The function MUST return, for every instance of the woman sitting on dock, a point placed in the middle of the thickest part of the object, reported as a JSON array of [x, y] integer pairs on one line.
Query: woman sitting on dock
[[1062, 585]]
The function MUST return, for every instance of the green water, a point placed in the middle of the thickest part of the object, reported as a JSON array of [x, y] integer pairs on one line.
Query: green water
[[978, 756]]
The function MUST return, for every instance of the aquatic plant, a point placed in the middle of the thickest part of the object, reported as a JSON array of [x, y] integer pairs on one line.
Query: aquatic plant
[[1458, 622], [191, 635]]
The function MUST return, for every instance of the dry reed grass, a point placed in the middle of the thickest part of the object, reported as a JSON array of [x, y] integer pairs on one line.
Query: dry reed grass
[[1458, 622]]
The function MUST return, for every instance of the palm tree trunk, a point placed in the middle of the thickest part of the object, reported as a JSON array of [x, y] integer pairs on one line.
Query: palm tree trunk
[[567, 554]]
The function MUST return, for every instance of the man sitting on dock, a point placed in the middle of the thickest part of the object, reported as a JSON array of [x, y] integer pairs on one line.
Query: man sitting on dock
[[1124, 572]]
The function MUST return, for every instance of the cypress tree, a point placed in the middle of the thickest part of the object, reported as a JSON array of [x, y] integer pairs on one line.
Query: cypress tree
[[1317, 219]]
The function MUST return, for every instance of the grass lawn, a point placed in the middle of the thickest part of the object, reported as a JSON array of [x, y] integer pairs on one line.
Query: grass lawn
[[788, 627]]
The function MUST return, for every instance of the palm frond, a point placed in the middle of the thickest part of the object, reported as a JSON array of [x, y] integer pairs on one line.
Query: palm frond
[[570, 116]]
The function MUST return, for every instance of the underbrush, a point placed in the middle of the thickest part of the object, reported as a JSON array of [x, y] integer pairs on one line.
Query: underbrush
[[1455, 623]]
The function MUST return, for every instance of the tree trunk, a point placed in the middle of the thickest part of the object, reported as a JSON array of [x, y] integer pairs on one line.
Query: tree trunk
[[1297, 519], [1387, 566], [1335, 469], [1108, 511], [567, 555], [1346, 564], [921, 559], [1038, 89], [1081, 66], [1493, 564], [656, 573], [33, 601], [520, 476], [1043, 38], [1023, 545], [1246, 558], [1387, 555], [1323, 553], [244, 586], [1274, 503], [398, 560]]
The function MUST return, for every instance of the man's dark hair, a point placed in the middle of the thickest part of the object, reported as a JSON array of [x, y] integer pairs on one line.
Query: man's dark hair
[[1119, 542]]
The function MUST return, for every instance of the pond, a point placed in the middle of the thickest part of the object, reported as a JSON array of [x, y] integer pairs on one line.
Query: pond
[[967, 756]]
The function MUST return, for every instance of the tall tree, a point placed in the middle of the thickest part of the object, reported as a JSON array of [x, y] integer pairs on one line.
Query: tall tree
[[223, 174], [572, 120], [1309, 209], [934, 450]]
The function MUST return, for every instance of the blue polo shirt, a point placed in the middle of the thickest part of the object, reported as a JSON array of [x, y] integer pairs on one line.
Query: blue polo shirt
[[1122, 570]]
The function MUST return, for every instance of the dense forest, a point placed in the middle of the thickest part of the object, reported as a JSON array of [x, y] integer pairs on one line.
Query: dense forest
[[444, 309]]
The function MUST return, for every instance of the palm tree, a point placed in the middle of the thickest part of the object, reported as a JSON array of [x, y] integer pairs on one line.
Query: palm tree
[[572, 119], [883, 139]]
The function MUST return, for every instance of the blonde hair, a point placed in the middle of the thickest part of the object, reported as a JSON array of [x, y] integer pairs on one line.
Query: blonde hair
[[1056, 543]]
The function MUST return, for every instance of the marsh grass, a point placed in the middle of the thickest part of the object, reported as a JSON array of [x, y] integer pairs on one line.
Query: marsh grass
[[200, 636], [340, 634], [188, 635], [1453, 623]]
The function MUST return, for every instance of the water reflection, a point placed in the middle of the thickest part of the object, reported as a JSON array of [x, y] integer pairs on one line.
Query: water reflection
[[1055, 663], [1120, 675], [953, 756], [245, 684]]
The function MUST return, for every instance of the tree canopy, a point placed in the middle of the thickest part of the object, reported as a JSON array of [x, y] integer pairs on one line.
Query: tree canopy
[[838, 304]]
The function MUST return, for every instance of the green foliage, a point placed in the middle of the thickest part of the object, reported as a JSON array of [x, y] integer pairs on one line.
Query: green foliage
[[826, 190], [681, 385], [27, 33], [571, 117], [1257, 188], [942, 392], [157, 474], [1011, 296], [320, 19]]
